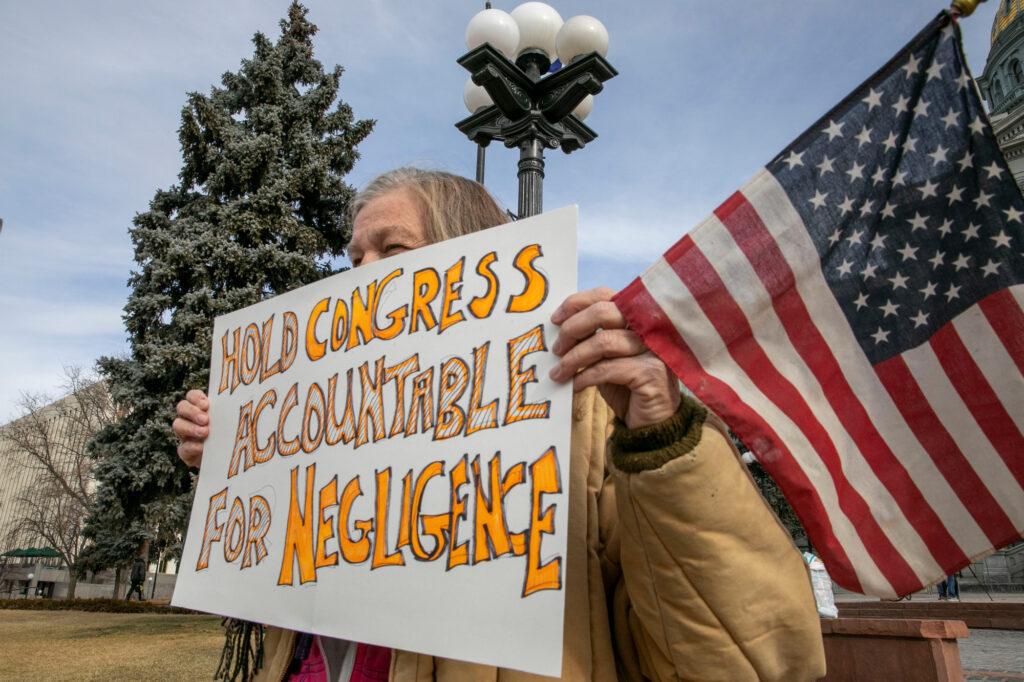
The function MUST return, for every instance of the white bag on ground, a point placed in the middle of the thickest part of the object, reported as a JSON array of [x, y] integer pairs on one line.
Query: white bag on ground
[[824, 597]]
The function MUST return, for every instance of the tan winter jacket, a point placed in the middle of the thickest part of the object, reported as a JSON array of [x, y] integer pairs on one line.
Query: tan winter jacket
[[676, 568]]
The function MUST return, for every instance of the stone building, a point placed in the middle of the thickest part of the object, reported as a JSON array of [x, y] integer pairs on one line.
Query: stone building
[[1002, 83], [30, 495]]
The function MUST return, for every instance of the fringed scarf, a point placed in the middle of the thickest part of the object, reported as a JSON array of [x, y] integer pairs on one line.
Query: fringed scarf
[[243, 651]]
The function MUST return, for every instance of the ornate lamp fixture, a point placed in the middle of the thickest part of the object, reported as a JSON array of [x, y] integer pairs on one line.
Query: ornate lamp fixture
[[514, 95]]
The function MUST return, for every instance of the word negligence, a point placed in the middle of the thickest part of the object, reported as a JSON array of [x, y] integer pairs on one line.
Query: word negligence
[[355, 321], [446, 403], [322, 529]]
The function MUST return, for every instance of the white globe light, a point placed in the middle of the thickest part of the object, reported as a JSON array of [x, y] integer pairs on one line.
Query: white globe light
[[475, 97], [538, 26], [495, 27], [580, 36], [584, 108]]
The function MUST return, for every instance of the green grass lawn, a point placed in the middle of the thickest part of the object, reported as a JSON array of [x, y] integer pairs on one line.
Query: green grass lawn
[[74, 645]]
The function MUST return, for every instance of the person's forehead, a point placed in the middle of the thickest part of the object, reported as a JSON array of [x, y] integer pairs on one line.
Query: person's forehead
[[392, 214]]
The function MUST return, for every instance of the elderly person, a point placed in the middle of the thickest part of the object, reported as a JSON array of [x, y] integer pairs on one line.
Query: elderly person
[[676, 567]]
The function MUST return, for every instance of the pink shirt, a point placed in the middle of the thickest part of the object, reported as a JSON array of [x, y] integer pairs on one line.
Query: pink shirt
[[372, 664]]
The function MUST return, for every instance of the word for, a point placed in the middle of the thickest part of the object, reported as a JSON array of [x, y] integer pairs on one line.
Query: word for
[[433, 304], [444, 401], [322, 529]]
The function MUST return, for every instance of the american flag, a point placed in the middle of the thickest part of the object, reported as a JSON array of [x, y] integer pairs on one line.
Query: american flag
[[854, 313]]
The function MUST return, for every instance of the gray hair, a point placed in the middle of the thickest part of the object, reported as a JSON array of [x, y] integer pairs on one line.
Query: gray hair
[[451, 205]]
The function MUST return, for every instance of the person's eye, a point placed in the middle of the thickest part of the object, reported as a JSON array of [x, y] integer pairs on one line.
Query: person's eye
[[395, 248]]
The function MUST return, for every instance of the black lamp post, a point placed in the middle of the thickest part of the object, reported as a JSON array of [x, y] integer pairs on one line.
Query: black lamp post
[[523, 105]]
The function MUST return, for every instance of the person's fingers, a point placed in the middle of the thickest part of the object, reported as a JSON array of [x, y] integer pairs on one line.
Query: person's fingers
[[578, 301], [190, 412], [598, 315], [191, 453], [610, 343], [185, 429], [198, 398], [618, 371]]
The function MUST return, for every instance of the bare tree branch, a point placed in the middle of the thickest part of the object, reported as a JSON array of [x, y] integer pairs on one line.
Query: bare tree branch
[[52, 438]]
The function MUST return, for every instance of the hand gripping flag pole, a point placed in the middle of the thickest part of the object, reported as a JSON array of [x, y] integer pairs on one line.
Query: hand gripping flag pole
[[855, 313]]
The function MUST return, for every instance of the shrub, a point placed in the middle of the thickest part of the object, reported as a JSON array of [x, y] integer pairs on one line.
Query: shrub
[[105, 605]]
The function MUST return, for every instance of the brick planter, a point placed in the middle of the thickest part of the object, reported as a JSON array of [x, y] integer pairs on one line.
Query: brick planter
[[976, 614], [890, 649]]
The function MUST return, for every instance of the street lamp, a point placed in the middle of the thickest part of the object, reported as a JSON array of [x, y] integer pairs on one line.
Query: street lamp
[[515, 97]]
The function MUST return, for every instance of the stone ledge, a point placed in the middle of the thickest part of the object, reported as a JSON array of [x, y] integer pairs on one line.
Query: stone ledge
[[895, 627]]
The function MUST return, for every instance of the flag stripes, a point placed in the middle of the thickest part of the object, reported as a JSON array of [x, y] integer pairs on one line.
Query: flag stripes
[[857, 434], [740, 303]]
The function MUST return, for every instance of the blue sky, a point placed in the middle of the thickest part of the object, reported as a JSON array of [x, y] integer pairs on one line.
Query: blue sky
[[92, 92]]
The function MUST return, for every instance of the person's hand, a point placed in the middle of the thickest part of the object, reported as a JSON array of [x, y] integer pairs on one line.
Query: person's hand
[[192, 427], [598, 349]]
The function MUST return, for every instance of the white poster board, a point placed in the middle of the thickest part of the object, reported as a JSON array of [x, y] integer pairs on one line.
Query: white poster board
[[410, 395]]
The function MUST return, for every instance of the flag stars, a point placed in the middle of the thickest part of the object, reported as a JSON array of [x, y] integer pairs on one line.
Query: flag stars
[[952, 293], [881, 336], [794, 160], [869, 272], [889, 210], [935, 70], [855, 237], [889, 308], [971, 232], [863, 137], [993, 170], [1002, 239], [901, 106], [818, 200], [966, 161], [845, 267], [878, 241], [846, 206], [1012, 214], [834, 238], [899, 179], [856, 172], [918, 222], [861, 301], [898, 281], [951, 119], [921, 108], [962, 262], [912, 65], [928, 189], [984, 199], [874, 99], [879, 176], [826, 166], [890, 142], [992, 268], [939, 155], [921, 319], [963, 80], [834, 130], [867, 209], [908, 252], [938, 259], [928, 291], [910, 144], [977, 126], [946, 227], [956, 194]]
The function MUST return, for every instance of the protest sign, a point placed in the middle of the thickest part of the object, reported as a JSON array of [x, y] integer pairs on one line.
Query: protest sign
[[388, 461]]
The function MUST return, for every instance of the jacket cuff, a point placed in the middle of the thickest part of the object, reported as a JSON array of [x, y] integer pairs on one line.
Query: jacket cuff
[[650, 447]]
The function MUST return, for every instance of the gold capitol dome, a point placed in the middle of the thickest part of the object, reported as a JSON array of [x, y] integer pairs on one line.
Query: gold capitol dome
[[1007, 12]]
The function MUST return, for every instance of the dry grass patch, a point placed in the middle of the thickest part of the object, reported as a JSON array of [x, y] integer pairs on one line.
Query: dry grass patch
[[74, 645]]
